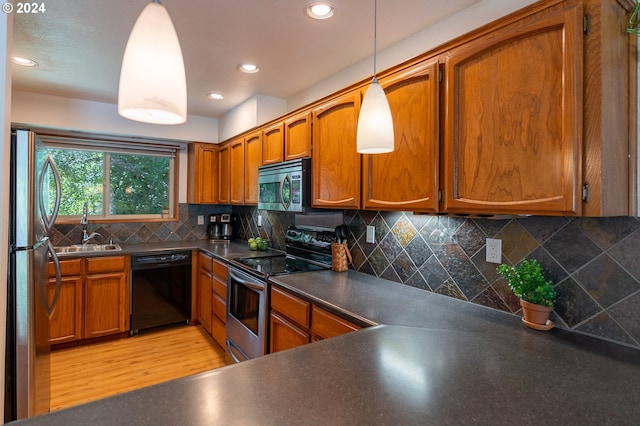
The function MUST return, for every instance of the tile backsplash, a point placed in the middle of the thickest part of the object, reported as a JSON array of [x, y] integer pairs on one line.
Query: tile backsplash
[[592, 261]]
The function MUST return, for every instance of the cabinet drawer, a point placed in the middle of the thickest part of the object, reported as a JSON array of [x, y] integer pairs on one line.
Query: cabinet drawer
[[204, 261], [106, 264], [219, 307], [67, 267], [291, 306], [325, 324], [220, 270], [220, 288], [218, 332]]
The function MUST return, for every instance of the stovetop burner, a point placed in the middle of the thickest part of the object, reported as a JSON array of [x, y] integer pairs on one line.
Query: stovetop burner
[[306, 251]]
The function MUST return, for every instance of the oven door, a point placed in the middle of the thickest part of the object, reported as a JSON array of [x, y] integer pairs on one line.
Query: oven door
[[246, 315]]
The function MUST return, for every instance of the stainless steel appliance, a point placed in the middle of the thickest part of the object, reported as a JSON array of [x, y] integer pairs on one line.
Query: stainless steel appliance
[[160, 290], [285, 186], [34, 201], [214, 230], [226, 226], [248, 288]]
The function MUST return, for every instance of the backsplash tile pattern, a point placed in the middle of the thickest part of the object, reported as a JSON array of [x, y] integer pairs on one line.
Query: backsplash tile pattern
[[185, 228], [592, 261]]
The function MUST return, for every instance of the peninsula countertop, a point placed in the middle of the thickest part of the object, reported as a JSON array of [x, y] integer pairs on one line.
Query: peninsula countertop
[[433, 360]]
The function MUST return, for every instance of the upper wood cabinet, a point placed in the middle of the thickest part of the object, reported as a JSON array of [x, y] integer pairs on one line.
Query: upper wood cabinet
[[513, 126], [335, 164], [297, 140], [252, 160], [202, 185], [273, 144], [236, 171], [407, 178], [224, 173]]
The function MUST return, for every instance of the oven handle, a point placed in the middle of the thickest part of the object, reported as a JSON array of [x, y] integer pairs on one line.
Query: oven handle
[[251, 284], [230, 351]]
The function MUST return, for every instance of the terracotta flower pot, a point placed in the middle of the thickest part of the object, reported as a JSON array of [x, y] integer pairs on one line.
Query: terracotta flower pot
[[536, 314]]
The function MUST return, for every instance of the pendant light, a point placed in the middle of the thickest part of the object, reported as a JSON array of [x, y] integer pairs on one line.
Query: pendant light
[[153, 87], [375, 124]]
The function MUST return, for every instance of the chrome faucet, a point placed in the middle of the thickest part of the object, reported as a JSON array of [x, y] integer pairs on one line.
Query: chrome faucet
[[83, 221]]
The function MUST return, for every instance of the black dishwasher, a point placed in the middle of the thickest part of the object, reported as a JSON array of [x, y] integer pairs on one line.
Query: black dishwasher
[[160, 290]]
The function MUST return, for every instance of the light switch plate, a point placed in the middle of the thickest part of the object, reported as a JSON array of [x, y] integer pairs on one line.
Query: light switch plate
[[371, 234], [494, 250], [259, 220], [200, 219]]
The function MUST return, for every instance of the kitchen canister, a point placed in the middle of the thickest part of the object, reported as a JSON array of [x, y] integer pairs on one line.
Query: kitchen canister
[[340, 257]]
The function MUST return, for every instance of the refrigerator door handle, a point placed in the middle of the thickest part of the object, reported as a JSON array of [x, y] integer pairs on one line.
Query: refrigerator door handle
[[49, 220], [56, 294]]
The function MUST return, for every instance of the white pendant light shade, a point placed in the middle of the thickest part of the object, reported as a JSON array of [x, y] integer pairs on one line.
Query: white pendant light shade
[[153, 86], [375, 124]]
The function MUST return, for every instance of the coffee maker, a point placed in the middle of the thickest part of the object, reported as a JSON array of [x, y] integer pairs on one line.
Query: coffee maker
[[215, 228], [226, 226]]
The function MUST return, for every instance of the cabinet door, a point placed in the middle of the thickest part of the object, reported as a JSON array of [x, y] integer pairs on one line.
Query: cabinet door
[[253, 160], [66, 320], [202, 169], [236, 172], [224, 174], [106, 310], [205, 291], [335, 162], [513, 128], [297, 140], [273, 144], [285, 335], [407, 178]]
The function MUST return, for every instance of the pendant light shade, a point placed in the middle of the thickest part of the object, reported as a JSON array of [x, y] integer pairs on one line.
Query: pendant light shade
[[375, 124], [153, 87]]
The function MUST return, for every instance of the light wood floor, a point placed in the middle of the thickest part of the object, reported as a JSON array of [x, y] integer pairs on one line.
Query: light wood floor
[[86, 373]]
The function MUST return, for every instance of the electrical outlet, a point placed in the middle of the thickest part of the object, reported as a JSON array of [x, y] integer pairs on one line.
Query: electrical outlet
[[200, 219], [371, 234], [494, 250], [259, 220]]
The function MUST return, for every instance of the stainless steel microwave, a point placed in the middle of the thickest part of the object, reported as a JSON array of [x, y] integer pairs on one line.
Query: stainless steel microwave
[[285, 186]]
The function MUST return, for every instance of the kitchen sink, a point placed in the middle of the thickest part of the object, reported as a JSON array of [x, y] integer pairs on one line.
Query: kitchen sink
[[77, 248]]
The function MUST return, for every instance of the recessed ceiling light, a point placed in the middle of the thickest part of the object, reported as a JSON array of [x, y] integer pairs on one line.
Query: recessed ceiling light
[[249, 68], [216, 96], [320, 10], [25, 62]]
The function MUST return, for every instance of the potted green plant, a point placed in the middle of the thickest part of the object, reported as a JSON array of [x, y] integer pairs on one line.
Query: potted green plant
[[536, 293]]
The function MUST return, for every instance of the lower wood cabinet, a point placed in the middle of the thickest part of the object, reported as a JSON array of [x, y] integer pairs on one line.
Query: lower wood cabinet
[[295, 322], [212, 297], [93, 300]]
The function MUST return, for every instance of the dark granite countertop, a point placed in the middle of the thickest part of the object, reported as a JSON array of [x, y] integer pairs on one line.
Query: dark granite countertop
[[434, 360]]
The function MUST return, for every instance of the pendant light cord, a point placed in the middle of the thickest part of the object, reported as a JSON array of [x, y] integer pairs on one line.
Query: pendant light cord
[[375, 20]]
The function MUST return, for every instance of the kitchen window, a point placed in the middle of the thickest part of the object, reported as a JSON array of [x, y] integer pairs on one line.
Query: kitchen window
[[119, 179]]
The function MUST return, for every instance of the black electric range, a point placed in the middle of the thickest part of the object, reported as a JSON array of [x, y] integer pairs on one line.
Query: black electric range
[[306, 250]]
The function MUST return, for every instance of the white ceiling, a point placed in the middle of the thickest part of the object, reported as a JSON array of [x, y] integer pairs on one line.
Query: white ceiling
[[79, 44]]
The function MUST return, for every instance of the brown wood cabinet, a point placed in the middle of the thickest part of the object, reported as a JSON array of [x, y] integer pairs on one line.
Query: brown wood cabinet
[[252, 160], [297, 140], [205, 290], [66, 320], [513, 127], [202, 184], [106, 296], [335, 164], [296, 322], [236, 171], [219, 303], [94, 298], [224, 174], [273, 143], [407, 178]]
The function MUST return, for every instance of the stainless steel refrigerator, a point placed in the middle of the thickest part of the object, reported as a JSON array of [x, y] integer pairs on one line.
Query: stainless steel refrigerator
[[34, 204]]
